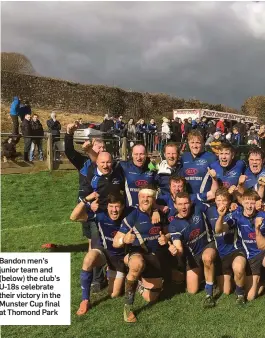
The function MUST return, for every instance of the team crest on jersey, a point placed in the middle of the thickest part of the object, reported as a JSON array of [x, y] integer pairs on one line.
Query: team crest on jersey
[[195, 219], [149, 173], [191, 171], [194, 234], [252, 235], [232, 173], [141, 183], [154, 230], [201, 162]]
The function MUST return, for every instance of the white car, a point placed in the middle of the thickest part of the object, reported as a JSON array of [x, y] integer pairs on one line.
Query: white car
[[81, 135]]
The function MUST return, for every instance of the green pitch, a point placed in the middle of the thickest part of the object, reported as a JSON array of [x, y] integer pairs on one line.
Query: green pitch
[[36, 209]]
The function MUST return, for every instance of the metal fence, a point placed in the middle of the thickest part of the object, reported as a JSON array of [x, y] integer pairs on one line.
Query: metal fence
[[119, 147]]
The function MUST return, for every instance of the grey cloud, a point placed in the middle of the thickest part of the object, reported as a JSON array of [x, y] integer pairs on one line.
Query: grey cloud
[[209, 50]]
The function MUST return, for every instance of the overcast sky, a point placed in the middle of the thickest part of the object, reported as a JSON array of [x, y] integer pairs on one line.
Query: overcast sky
[[212, 51]]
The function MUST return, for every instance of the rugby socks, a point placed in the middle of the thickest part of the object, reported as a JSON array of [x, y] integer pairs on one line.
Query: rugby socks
[[86, 278], [209, 288], [130, 289], [240, 290]]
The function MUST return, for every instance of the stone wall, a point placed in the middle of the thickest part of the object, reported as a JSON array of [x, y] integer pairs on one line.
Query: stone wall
[[48, 93]]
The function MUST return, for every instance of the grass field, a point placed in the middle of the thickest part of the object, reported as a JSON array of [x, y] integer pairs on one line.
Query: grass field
[[36, 209]]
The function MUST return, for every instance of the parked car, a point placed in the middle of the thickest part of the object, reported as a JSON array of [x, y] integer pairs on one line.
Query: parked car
[[81, 135]]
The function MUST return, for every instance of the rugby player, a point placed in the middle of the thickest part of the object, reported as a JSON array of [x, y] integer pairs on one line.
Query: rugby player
[[232, 257], [178, 184], [254, 175], [169, 166], [244, 220], [136, 174], [102, 252], [227, 168], [189, 229], [144, 245], [82, 163], [195, 164]]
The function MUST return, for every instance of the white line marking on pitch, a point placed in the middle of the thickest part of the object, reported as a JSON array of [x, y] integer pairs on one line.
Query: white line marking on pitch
[[37, 226]]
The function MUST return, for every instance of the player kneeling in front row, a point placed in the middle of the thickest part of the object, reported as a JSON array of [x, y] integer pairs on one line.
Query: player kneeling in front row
[[247, 222], [144, 243], [189, 230], [232, 257], [108, 223]]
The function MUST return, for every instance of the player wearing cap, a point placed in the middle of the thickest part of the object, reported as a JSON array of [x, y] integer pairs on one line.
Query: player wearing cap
[[189, 230], [195, 164], [144, 244], [102, 252]]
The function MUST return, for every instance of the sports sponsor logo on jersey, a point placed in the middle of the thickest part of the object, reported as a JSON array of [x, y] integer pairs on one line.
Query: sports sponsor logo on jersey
[[194, 234], [191, 171], [154, 230], [115, 181], [141, 183], [170, 218], [252, 235]]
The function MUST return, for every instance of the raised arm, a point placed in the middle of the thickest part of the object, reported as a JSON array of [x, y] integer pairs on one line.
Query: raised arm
[[211, 194], [221, 225], [79, 214], [260, 239]]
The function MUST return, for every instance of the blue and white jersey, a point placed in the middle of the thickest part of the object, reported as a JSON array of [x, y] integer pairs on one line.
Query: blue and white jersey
[[194, 169], [246, 230], [135, 178], [146, 233], [226, 242], [252, 179], [107, 231], [230, 175], [193, 231], [167, 200]]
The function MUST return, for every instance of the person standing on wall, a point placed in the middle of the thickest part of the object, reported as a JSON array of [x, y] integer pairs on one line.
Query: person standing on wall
[[14, 112]]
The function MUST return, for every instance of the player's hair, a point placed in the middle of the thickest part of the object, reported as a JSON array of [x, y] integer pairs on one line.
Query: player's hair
[[195, 133], [176, 178], [257, 151], [228, 146], [171, 144], [183, 195], [139, 144], [251, 195], [115, 198], [223, 192]]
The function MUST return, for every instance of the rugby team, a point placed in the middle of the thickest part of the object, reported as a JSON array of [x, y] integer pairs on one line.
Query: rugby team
[[197, 218]]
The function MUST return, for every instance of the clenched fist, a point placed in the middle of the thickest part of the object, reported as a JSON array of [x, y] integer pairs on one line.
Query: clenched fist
[[221, 211], [72, 127]]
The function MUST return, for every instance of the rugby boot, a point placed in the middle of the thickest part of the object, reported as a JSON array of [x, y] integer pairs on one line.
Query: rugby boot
[[240, 300], [209, 302], [83, 307], [128, 315]]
